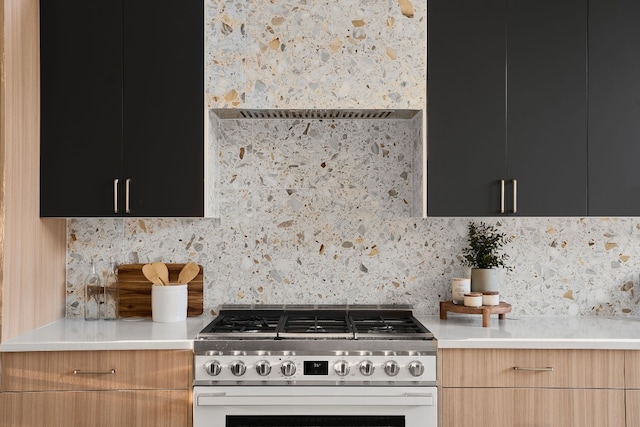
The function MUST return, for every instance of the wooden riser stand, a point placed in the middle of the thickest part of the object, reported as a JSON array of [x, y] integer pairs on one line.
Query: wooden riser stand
[[485, 310]]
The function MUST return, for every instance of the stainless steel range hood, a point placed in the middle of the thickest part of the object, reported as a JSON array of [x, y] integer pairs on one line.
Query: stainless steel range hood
[[224, 113]]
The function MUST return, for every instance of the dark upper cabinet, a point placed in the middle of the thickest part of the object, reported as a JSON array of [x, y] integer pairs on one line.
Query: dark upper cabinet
[[466, 154], [506, 96], [546, 107], [614, 107], [81, 106], [122, 116]]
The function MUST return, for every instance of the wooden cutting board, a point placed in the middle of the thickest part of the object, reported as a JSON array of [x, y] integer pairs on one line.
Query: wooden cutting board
[[135, 291]]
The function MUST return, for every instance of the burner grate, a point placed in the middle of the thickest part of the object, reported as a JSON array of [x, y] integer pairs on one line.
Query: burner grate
[[259, 323], [248, 324], [375, 325], [312, 325], [315, 324]]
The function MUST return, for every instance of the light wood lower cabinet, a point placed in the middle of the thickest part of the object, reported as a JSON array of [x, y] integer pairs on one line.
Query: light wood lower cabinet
[[532, 407], [532, 388], [536, 368], [632, 384], [96, 388], [97, 370], [632, 399], [140, 408]]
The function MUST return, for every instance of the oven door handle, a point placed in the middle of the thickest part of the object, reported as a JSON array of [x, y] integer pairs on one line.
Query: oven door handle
[[404, 399]]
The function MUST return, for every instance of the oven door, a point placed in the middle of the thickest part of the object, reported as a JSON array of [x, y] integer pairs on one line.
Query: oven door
[[305, 406]]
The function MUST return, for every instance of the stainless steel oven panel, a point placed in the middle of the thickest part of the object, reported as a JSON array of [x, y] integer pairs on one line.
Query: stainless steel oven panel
[[311, 347], [300, 377], [417, 405]]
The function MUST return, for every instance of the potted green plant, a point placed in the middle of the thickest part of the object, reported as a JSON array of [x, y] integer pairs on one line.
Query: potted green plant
[[484, 256]]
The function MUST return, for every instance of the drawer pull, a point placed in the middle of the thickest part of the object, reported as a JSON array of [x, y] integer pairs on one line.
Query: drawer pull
[[81, 372], [519, 368]]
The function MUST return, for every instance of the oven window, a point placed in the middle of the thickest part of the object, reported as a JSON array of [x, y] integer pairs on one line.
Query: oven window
[[313, 421]]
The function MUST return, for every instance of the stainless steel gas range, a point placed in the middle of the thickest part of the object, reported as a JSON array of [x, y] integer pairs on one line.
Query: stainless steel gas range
[[365, 366]]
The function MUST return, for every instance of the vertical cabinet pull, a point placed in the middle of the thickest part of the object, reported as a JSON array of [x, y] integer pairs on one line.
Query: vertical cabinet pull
[[502, 196], [127, 188], [115, 195], [515, 196], [126, 196]]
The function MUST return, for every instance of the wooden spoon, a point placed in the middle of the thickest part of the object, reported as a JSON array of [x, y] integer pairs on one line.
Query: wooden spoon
[[188, 273], [151, 274], [163, 272]]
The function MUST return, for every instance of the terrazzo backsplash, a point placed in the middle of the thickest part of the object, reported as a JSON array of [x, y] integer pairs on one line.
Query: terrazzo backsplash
[[561, 266], [328, 211]]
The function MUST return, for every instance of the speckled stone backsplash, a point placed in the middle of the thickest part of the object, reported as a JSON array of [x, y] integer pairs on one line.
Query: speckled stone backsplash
[[321, 253], [324, 211]]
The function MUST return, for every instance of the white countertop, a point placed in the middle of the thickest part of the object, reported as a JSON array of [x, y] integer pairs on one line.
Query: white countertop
[[593, 332], [458, 331], [80, 334]]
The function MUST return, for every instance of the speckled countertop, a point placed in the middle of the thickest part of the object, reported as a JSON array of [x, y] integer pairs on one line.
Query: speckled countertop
[[585, 332], [595, 332], [79, 334]]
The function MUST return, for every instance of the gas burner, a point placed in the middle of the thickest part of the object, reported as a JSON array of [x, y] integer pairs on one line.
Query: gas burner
[[248, 324], [381, 329], [315, 328]]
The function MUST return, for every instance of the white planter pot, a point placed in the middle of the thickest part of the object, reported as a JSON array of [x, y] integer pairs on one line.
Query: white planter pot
[[484, 280]]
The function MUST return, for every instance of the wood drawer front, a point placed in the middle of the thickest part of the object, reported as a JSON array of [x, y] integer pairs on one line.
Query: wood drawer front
[[529, 407], [632, 398], [495, 368], [632, 369], [143, 408], [133, 370]]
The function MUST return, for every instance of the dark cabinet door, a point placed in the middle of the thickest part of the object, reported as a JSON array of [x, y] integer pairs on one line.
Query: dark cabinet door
[[506, 96], [614, 107], [164, 107], [465, 107], [122, 102], [546, 107], [81, 107]]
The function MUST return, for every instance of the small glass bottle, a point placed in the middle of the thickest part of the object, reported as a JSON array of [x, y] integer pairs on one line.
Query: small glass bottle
[[110, 305], [92, 294]]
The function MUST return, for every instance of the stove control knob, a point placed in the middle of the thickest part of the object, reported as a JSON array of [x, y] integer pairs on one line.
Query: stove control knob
[[263, 368], [341, 367], [288, 368], [366, 368], [392, 368], [238, 368], [213, 368], [416, 368]]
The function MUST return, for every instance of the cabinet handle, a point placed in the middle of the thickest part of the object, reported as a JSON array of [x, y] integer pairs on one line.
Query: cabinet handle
[[502, 196], [520, 368], [127, 183], [115, 195], [81, 372], [515, 195]]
